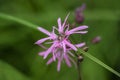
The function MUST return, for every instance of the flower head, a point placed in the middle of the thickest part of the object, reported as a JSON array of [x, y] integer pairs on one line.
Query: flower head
[[61, 46]]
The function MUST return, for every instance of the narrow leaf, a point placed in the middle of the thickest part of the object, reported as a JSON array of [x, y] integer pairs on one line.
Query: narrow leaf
[[8, 17], [99, 62]]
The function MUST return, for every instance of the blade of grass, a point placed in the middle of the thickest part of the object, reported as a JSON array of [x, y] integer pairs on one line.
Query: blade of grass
[[8, 17], [99, 62]]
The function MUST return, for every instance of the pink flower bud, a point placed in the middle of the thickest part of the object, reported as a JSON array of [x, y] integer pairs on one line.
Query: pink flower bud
[[96, 40], [79, 17]]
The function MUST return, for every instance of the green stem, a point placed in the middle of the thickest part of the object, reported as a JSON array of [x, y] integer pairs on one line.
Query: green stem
[[99, 62], [78, 67], [8, 17]]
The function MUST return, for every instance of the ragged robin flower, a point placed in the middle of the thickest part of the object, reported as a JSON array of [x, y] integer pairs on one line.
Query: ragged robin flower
[[61, 45]]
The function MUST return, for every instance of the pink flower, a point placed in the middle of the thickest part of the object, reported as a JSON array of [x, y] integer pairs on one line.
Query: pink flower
[[61, 46]]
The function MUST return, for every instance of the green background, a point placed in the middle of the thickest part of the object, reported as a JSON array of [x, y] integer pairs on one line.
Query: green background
[[19, 58]]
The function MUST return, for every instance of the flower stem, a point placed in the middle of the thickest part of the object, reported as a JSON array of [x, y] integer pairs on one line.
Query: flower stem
[[79, 60], [78, 67]]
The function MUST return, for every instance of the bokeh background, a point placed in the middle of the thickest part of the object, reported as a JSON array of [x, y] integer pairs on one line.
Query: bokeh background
[[19, 58]]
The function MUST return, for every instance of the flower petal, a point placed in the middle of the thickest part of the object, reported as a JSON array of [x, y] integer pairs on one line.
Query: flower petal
[[54, 55], [81, 32], [67, 60], [60, 29], [80, 45], [71, 53], [53, 35], [44, 31], [71, 59], [42, 40], [41, 53], [70, 45], [50, 61], [64, 47], [49, 50], [42, 46], [59, 65], [65, 20], [76, 29]]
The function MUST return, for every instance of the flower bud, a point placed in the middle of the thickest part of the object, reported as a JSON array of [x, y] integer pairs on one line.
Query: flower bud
[[85, 48], [96, 40], [79, 17], [80, 58]]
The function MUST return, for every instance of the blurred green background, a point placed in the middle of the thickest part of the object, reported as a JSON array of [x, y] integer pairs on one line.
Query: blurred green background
[[19, 58]]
